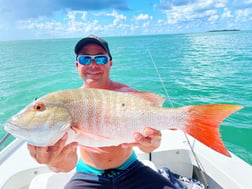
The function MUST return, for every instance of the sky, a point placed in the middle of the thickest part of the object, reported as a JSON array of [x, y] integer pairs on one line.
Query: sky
[[43, 19]]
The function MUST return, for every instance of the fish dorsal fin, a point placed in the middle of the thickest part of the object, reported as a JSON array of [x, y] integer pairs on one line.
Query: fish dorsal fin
[[153, 98]]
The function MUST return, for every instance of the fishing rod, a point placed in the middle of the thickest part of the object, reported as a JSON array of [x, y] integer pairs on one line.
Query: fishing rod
[[202, 170], [3, 140]]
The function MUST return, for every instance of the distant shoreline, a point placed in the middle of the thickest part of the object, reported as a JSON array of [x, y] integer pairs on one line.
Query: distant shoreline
[[223, 30]]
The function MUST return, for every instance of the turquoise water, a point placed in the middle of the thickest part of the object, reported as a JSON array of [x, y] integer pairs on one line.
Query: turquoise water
[[200, 68]]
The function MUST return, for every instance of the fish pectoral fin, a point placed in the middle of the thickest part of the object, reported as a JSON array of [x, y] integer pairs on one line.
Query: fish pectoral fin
[[88, 134]]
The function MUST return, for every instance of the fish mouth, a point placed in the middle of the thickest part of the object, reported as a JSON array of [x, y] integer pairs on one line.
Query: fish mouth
[[10, 126], [38, 136], [22, 133], [16, 131]]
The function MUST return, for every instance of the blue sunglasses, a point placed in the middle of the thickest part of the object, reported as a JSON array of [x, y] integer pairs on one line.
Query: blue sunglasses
[[87, 59]]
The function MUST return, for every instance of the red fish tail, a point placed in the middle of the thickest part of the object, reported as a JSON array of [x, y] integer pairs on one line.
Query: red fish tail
[[203, 124]]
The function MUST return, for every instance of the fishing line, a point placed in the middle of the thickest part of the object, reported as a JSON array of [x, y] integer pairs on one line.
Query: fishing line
[[199, 164], [160, 78], [202, 171]]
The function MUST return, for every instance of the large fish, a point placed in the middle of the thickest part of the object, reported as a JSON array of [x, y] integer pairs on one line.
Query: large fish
[[106, 118]]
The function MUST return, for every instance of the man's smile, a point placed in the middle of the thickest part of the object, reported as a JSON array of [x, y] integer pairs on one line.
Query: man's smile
[[93, 72]]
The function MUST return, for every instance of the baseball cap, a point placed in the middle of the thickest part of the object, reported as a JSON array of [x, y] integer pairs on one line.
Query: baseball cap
[[92, 39]]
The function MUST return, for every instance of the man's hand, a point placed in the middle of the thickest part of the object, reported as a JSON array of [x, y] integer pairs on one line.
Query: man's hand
[[59, 158], [149, 141]]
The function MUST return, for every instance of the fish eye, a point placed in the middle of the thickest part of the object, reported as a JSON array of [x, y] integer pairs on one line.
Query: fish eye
[[39, 107]]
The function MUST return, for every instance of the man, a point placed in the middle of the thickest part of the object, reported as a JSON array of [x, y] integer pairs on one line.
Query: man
[[117, 167]]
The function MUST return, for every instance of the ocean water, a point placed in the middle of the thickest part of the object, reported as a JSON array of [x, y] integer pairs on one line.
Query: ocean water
[[197, 68]]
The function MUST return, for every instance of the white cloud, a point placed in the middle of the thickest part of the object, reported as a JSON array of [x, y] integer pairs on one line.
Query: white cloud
[[71, 15], [117, 17], [27, 9], [220, 3], [146, 24], [71, 27], [248, 1], [197, 10], [143, 17], [77, 21], [75, 27], [161, 22], [243, 15], [212, 19], [38, 24], [175, 16], [226, 13], [209, 4]]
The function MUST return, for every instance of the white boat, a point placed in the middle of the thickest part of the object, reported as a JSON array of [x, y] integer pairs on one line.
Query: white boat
[[181, 153]]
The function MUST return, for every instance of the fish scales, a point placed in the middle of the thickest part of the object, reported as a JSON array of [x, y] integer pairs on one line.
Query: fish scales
[[126, 112], [115, 115]]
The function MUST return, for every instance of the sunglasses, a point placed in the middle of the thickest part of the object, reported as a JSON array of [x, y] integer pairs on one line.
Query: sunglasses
[[87, 59]]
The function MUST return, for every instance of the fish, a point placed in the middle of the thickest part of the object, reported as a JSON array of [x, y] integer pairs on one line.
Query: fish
[[99, 118]]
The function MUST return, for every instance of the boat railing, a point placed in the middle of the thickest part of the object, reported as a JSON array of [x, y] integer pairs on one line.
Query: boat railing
[[12, 147]]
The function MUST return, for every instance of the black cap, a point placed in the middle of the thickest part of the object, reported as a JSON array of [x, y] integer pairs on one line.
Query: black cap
[[92, 39]]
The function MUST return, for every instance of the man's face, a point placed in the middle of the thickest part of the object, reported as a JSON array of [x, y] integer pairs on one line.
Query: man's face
[[94, 75]]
